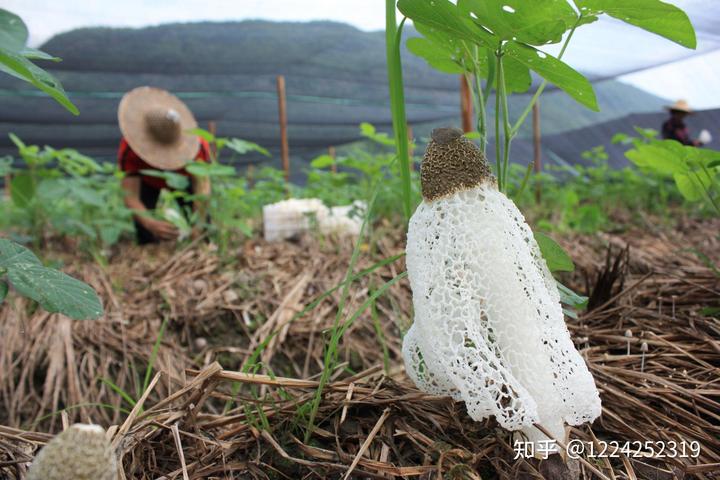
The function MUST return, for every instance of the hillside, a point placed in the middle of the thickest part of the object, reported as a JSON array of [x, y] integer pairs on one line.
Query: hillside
[[226, 72]]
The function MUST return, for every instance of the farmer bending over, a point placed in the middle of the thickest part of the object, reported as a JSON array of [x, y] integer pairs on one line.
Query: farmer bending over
[[674, 127], [154, 124]]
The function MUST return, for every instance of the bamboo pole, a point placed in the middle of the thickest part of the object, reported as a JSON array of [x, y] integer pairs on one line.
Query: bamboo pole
[[466, 105], [333, 154], [212, 128], [537, 148], [282, 110]]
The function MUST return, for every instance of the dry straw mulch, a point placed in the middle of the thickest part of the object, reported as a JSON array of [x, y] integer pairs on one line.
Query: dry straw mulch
[[205, 415]]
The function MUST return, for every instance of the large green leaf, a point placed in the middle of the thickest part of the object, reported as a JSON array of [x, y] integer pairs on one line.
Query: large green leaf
[[654, 16], [20, 67], [517, 75], [13, 31], [556, 258], [663, 157], [445, 16], [438, 57], [12, 253], [22, 189], [554, 71], [692, 185], [444, 52], [55, 291], [538, 22]]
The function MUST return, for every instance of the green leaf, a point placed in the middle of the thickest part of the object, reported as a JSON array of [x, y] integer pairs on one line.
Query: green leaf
[[18, 66], [3, 290], [174, 180], [55, 291], [445, 16], [556, 258], [204, 169], [517, 75], [202, 133], [692, 186], [323, 161], [243, 146], [12, 253], [436, 56], [554, 71], [664, 158], [22, 189], [538, 22], [652, 15], [570, 298], [13, 31], [35, 54]]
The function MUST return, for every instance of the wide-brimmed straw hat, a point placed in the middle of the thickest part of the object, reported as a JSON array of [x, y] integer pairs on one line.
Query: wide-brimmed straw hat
[[680, 106], [155, 123]]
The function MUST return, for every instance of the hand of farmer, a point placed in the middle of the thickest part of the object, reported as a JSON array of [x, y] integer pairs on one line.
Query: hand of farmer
[[162, 230]]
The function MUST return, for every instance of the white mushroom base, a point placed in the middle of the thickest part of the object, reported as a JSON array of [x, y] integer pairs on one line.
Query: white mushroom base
[[489, 328]]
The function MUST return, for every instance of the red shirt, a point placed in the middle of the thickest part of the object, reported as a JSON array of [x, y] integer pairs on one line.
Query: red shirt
[[131, 164]]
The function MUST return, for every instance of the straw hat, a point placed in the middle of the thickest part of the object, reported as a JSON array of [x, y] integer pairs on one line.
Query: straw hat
[[155, 123], [680, 106]]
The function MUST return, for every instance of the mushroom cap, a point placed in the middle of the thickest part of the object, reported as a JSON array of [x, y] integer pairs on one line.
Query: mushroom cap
[[452, 163], [81, 452]]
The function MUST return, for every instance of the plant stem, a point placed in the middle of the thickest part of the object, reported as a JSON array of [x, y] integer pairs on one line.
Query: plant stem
[[498, 151], [544, 83], [393, 34], [502, 93]]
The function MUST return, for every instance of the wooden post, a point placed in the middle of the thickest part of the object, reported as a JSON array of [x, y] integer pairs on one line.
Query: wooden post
[[282, 110], [212, 128], [333, 154], [466, 105], [8, 181], [537, 148], [250, 175]]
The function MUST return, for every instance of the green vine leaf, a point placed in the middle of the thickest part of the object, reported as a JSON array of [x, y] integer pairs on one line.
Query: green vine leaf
[[554, 71], [654, 16], [445, 16], [537, 23]]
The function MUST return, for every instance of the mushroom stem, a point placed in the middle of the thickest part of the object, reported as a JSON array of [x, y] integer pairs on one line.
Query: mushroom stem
[[628, 335], [643, 351]]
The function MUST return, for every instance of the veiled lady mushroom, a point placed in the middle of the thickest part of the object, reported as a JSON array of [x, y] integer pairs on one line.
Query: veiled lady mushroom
[[488, 328], [80, 453]]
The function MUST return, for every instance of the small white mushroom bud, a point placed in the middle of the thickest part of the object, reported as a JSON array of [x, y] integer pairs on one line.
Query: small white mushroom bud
[[230, 296], [200, 343], [628, 335], [643, 351], [200, 286], [79, 453], [488, 328]]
